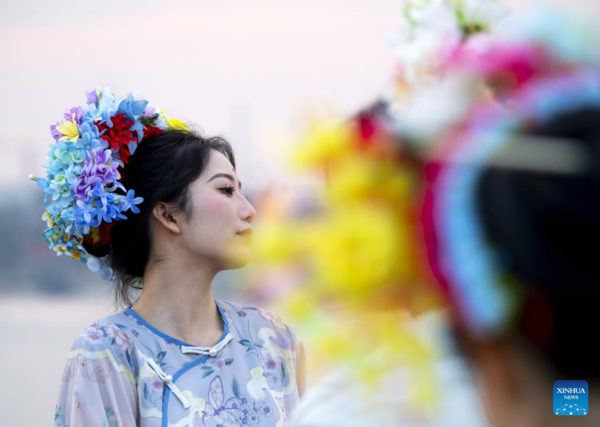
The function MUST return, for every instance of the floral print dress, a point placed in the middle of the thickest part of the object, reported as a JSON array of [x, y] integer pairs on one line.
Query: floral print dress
[[121, 371]]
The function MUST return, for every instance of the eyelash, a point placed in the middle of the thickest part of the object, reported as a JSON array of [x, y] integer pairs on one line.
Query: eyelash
[[230, 190]]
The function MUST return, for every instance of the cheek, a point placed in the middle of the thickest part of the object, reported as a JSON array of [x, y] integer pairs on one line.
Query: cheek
[[213, 207]]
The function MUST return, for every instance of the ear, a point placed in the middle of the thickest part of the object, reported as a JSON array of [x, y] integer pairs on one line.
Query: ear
[[162, 213]]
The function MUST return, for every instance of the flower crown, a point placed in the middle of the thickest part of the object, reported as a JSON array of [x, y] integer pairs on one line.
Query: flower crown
[[84, 172]]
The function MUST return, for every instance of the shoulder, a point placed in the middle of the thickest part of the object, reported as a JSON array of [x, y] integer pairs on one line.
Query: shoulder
[[109, 337], [258, 318]]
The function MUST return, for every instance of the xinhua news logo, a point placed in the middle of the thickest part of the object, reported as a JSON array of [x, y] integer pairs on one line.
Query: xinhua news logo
[[570, 397]]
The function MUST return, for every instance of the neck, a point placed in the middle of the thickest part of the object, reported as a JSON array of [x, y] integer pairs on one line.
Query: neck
[[178, 301]]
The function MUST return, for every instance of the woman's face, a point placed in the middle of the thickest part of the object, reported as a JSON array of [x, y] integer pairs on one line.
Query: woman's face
[[219, 212]]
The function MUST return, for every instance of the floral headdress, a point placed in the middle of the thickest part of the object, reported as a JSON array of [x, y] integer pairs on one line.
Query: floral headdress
[[83, 188]]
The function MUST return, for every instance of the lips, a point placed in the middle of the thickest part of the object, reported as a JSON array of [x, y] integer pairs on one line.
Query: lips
[[246, 235], [246, 232]]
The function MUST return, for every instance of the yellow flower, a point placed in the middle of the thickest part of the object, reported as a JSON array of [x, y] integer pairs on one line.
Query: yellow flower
[[326, 141], [357, 249], [69, 130], [173, 123], [94, 234], [48, 218]]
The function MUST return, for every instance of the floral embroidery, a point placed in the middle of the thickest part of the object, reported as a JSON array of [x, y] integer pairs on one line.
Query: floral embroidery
[[215, 365], [96, 372], [94, 333], [59, 417], [118, 336], [152, 392], [156, 383], [110, 418], [237, 411], [274, 370], [99, 358]]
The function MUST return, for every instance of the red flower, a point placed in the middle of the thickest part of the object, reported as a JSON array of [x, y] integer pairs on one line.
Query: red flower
[[150, 131], [119, 136], [104, 232]]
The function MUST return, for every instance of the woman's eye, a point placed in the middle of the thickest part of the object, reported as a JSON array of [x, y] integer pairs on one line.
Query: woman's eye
[[229, 190]]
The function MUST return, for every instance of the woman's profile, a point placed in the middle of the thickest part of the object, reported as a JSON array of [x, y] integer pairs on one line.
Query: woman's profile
[[175, 355]]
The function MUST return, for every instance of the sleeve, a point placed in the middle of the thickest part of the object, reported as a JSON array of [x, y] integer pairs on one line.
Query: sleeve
[[98, 387]]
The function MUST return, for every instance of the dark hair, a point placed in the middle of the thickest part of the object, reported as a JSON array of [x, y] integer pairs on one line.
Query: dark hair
[[547, 227], [160, 170]]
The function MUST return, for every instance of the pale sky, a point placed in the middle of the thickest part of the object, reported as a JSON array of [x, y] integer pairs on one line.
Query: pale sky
[[250, 70]]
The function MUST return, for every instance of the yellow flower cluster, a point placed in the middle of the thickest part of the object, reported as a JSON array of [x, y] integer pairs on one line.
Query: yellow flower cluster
[[361, 256]]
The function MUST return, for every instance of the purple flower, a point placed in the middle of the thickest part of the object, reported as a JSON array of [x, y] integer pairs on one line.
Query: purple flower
[[150, 110], [98, 167], [271, 364], [156, 383], [92, 96], [55, 134], [78, 115]]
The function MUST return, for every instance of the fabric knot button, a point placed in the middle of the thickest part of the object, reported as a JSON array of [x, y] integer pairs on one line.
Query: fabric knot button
[[212, 352], [168, 378]]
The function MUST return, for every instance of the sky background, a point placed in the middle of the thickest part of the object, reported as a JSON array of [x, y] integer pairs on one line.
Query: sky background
[[251, 71]]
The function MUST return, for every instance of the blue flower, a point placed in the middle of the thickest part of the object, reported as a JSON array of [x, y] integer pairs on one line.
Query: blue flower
[[134, 109], [86, 215], [129, 202]]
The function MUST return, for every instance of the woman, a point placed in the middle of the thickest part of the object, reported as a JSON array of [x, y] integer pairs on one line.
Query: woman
[[177, 356]]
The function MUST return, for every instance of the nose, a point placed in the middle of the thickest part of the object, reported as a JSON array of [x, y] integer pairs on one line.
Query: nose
[[248, 212]]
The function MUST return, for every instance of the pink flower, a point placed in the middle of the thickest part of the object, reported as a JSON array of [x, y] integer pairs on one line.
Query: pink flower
[[120, 337], [219, 363], [94, 333]]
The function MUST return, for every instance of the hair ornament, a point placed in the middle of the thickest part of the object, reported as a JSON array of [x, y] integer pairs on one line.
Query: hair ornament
[[83, 190]]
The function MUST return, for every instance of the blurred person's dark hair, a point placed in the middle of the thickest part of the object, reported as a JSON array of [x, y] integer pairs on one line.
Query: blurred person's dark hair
[[161, 170], [547, 226]]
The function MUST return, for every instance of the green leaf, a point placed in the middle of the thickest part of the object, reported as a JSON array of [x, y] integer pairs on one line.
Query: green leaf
[[235, 387]]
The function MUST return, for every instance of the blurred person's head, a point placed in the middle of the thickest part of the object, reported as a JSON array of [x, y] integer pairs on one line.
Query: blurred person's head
[[542, 226], [193, 208]]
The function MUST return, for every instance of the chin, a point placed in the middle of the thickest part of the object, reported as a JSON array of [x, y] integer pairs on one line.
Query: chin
[[237, 258]]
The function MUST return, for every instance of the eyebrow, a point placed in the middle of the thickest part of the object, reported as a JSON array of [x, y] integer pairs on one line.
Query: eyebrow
[[225, 175]]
